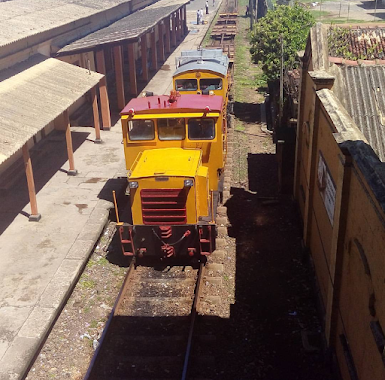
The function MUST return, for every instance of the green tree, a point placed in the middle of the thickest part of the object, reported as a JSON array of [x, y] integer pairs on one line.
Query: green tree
[[293, 24]]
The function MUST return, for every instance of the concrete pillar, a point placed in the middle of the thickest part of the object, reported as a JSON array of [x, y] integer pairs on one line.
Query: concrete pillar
[[95, 111], [154, 53], [162, 57], [173, 31], [167, 46], [132, 69], [143, 48], [34, 216], [104, 102], [119, 76], [70, 151]]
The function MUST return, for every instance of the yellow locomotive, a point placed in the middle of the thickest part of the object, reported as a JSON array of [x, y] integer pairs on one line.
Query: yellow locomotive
[[175, 151]]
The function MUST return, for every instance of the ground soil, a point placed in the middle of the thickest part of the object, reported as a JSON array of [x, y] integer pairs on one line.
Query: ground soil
[[272, 329]]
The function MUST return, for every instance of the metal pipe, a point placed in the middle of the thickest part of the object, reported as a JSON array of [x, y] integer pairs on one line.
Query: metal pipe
[[116, 207]]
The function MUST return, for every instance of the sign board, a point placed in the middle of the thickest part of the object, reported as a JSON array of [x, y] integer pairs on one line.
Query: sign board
[[326, 187]]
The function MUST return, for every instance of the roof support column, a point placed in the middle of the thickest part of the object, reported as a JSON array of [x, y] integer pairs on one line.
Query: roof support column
[[173, 31], [168, 36], [104, 102], [70, 151], [34, 216], [154, 55], [185, 28], [143, 48], [95, 111], [161, 41], [119, 76], [132, 69], [178, 25]]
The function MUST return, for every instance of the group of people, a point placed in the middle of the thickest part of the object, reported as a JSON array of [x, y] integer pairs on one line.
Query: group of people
[[200, 12]]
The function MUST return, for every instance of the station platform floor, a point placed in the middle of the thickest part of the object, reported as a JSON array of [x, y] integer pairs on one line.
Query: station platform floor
[[41, 261]]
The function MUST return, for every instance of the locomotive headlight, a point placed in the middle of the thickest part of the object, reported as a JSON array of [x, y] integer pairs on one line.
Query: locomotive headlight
[[188, 183], [133, 184]]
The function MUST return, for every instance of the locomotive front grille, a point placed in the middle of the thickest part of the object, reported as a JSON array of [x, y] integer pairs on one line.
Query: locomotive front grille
[[163, 206]]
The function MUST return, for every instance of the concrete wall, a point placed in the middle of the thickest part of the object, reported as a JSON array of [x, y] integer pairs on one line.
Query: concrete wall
[[340, 189]]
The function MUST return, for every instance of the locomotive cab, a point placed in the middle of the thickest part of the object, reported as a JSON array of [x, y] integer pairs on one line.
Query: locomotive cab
[[203, 72], [174, 156]]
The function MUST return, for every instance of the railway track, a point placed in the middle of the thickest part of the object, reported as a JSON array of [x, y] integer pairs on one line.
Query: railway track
[[150, 332], [224, 31]]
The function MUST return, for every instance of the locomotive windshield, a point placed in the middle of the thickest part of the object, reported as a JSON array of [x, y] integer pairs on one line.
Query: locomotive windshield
[[186, 85], [171, 129], [210, 84], [139, 130], [201, 129]]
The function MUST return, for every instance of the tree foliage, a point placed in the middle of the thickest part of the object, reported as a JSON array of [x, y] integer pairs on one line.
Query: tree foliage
[[293, 24]]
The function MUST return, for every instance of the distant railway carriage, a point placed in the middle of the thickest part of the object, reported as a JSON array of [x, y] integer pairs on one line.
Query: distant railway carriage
[[203, 71], [175, 154]]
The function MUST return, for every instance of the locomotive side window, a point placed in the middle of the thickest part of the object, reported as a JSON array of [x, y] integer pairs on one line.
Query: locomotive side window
[[186, 85], [171, 129], [210, 84], [139, 130], [201, 129]]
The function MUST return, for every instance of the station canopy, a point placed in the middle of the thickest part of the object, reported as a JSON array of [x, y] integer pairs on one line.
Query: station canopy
[[129, 28], [33, 94]]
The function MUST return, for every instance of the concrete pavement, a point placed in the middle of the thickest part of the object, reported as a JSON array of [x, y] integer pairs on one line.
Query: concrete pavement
[[41, 262]]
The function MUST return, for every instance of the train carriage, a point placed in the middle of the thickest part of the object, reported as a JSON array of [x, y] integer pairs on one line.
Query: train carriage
[[175, 156], [203, 71]]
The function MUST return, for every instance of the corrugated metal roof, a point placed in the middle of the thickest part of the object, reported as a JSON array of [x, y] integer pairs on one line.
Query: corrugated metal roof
[[128, 28], [364, 93], [207, 59], [20, 19], [203, 65], [33, 94]]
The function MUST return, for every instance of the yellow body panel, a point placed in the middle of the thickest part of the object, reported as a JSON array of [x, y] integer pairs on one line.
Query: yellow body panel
[[202, 193], [167, 162]]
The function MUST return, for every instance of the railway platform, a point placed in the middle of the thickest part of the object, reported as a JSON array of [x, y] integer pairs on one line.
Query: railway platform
[[41, 261]]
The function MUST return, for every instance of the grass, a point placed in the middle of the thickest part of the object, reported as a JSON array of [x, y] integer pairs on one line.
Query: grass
[[319, 14], [343, 20], [87, 283], [239, 126], [246, 74]]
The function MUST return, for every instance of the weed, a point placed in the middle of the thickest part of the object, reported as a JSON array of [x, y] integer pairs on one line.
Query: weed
[[87, 283]]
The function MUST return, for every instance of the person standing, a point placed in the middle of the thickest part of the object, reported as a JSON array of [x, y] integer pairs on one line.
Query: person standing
[[213, 3], [201, 18], [198, 16], [207, 7]]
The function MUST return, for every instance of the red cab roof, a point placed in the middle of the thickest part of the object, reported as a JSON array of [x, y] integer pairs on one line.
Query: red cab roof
[[184, 103]]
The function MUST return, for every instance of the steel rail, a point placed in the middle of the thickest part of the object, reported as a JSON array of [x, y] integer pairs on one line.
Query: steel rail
[[110, 318], [192, 324]]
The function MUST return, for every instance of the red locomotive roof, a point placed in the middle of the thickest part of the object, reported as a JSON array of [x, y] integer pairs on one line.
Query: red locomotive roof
[[183, 103]]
